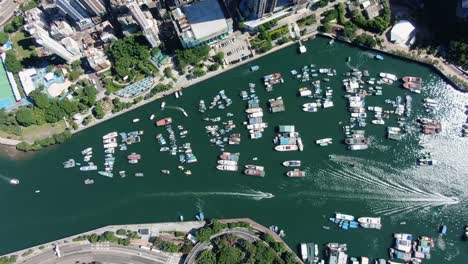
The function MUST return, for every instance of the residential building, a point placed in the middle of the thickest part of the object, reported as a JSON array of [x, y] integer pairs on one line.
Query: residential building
[[42, 38], [147, 23], [36, 16], [60, 29], [201, 23], [97, 59], [71, 45], [95, 6]]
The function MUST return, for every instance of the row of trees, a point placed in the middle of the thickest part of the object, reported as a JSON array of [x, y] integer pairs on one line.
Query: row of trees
[[108, 236], [377, 25]]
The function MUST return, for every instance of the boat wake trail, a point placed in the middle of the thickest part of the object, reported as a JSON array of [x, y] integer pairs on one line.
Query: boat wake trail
[[177, 108], [254, 195], [4, 178], [386, 190]]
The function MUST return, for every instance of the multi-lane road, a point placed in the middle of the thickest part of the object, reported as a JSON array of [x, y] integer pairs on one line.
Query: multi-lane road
[[104, 253], [7, 8]]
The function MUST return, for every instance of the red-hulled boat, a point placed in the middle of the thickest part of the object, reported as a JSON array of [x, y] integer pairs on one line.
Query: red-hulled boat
[[412, 79], [134, 156], [164, 121]]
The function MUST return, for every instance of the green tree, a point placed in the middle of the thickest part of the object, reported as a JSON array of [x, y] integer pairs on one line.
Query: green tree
[[326, 28], [25, 117], [458, 53], [203, 234], [121, 232], [54, 113], [264, 254], [40, 99], [329, 15], [168, 72], [206, 257], [98, 111], [68, 106], [3, 37], [230, 255], [169, 247], [9, 28], [341, 13], [12, 63], [219, 58], [93, 238], [213, 67], [155, 52]]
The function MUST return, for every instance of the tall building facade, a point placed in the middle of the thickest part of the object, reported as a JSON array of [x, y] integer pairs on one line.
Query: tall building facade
[[148, 26], [95, 6], [262, 7], [42, 38], [76, 11]]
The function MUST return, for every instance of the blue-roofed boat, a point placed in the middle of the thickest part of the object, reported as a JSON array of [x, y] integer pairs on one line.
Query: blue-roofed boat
[[255, 68], [200, 216], [378, 57], [443, 230]]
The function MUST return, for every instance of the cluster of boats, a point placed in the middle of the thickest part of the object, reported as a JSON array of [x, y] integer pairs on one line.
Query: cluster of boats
[[276, 105], [220, 101], [414, 84], [430, 105], [255, 123], [272, 79], [87, 155], [346, 221], [185, 151], [430, 126], [407, 248], [288, 139], [324, 142], [221, 135], [295, 173], [387, 78], [228, 161], [356, 139], [426, 159]]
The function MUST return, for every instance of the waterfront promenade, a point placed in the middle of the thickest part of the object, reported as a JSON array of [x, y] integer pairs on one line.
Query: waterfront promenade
[[138, 251]]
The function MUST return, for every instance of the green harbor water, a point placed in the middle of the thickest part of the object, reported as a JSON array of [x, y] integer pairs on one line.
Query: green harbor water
[[381, 181]]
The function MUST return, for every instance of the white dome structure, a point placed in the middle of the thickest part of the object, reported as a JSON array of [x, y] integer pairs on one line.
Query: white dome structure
[[403, 33]]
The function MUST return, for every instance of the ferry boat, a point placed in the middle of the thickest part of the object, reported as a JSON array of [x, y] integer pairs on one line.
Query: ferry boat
[[286, 148], [152, 117], [227, 167], [105, 173], [165, 171], [164, 121], [14, 181], [370, 222], [254, 172], [295, 173], [136, 120], [292, 163], [88, 181]]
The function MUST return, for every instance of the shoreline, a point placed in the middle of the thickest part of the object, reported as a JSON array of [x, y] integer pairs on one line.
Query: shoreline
[[210, 75]]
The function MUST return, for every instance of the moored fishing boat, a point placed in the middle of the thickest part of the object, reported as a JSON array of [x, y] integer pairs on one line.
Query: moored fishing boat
[[227, 167], [254, 172], [134, 156], [295, 173], [89, 167], [255, 167], [86, 151], [370, 222], [254, 68], [379, 57], [109, 135], [412, 79], [227, 162], [105, 173], [139, 174], [165, 171], [88, 181], [136, 120], [286, 148], [164, 121], [292, 163], [152, 117], [358, 147]]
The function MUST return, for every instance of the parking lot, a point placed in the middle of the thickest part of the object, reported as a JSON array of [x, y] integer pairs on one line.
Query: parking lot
[[236, 48]]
